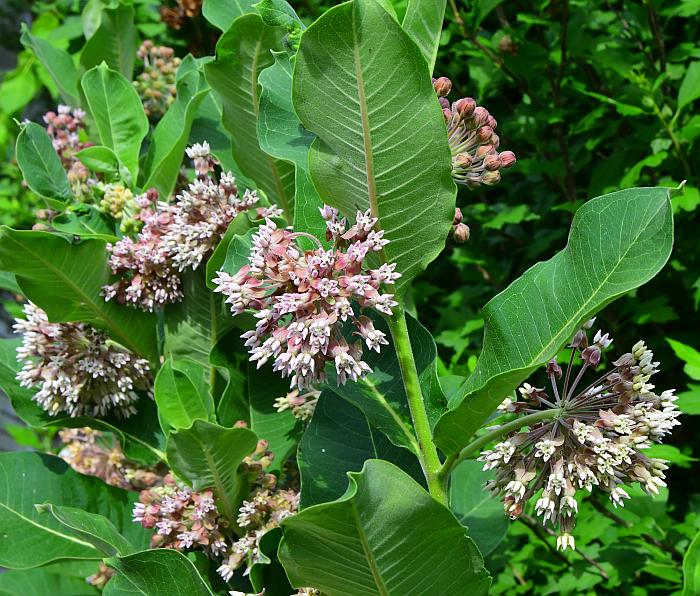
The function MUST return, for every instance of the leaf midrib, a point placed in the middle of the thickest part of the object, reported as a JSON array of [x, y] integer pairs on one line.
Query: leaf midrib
[[371, 561]]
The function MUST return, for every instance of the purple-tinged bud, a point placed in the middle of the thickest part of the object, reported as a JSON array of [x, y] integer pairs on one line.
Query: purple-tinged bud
[[491, 121], [484, 134], [589, 323], [444, 103], [442, 86], [481, 116], [447, 113], [492, 162], [495, 140], [483, 151], [579, 339], [491, 178], [591, 355], [458, 216], [553, 369], [507, 159], [461, 233], [465, 107], [463, 160]]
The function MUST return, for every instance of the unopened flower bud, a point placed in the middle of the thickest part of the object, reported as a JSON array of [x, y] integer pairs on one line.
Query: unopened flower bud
[[484, 133], [445, 103], [458, 216], [442, 86], [507, 159], [460, 233], [464, 107], [463, 160], [491, 178], [553, 369], [481, 116], [492, 162]]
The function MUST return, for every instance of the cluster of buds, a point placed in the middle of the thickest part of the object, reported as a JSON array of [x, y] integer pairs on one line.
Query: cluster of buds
[[78, 369], [156, 84], [63, 127], [118, 202], [94, 453], [264, 509], [302, 405], [175, 17], [302, 298], [182, 518], [175, 236], [100, 578], [460, 231], [583, 438], [473, 140]]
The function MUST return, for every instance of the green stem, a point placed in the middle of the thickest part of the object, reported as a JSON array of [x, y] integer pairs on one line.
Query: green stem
[[428, 455], [504, 429], [675, 141]]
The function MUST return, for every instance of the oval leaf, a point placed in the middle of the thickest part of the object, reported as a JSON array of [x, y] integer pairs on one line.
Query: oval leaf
[[617, 242]]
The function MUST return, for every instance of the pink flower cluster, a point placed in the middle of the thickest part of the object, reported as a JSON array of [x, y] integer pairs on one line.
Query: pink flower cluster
[[175, 236], [302, 298], [473, 140]]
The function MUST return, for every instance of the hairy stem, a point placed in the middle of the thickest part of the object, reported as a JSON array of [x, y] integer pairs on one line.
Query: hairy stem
[[504, 429], [430, 462]]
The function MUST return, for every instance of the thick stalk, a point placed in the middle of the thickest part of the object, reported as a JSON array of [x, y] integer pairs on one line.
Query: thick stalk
[[504, 429], [428, 455]]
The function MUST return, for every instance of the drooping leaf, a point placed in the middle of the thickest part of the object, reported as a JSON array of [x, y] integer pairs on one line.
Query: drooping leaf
[[476, 508], [423, 22], [340, 440], [57, 62], [66, 281], [278, 13], [207, 455], [31, 538], [222, 13], [267, 573], [86, 222], [384, 536], [99, 159], [363, 87], [617, 242], [40, 164], [118, 114], [279, 429], [171, 134], [114, 42], [241, 54], [182, 395], [159, 572], [381, 395], [94, 529]]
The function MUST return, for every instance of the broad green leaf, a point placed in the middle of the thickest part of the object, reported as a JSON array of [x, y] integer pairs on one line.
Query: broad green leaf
[[690, 87], [230, 356], [58, 63], [222, 13], [241, 54], [339, 440], [195, 324], [281, 135], [278, 13], [114, 42], [617, 242], [381, 394], [279, 429], [363, 87], [40, 164], [238, 227], [207, 456], [119, 117], [478, 510], [159, 572], [182, 395], [30, 538], [385, 536], [689, 355], [44, 580], [86, 222], [423, 22], [691, 568], [94, 529], [170, 137], [66, 281], [99, 159]]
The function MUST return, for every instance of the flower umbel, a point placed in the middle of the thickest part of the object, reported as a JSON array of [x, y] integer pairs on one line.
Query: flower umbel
[[302, 298], [77, 369], [156, 84], [595, 436], [473, 140]]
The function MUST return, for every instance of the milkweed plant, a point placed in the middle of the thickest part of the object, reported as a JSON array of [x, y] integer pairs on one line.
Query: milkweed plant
[[218, 318]]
